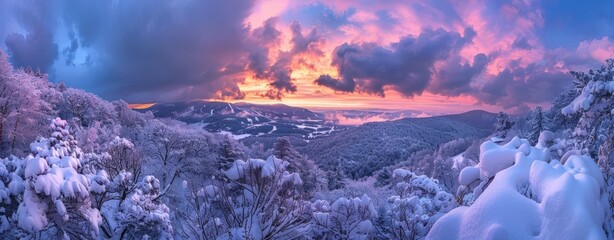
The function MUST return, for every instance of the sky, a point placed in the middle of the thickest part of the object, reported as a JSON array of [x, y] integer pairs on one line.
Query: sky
[[440, 56]]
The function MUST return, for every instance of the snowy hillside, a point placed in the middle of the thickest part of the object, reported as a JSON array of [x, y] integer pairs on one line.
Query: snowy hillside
[[244, 119], [369, 147]]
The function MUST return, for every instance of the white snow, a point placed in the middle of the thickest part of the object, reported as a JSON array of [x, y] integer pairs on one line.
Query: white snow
[[236, 171], [231, 109], [532, 199], [267, 168], [494, 158], [293, 178], [35, 166], [273, 130], [236, 136], [469, 175]]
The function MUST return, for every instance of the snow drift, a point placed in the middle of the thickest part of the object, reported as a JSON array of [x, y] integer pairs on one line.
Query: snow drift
[[530, 197]]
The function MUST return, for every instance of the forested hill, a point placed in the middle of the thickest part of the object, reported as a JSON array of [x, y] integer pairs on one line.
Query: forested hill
[[362, 150]]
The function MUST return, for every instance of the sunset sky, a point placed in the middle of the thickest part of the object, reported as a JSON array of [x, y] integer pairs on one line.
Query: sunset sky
[[434, 56]]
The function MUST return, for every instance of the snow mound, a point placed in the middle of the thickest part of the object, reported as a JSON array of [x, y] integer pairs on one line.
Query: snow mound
[[494, 157], [531, 199]]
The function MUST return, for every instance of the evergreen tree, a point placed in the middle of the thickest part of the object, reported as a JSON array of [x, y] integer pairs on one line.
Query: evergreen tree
[[558, 121], [594, 133], [383, 177], [284, 150], [230, 152], [537, 125], [336, 177], [57, 195], [502, 125]]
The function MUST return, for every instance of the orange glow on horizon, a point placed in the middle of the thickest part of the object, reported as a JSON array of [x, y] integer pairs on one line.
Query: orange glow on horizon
[[141, 105]]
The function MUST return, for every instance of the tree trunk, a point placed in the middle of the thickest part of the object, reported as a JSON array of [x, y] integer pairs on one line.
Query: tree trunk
[[1, 132], [15, 130]]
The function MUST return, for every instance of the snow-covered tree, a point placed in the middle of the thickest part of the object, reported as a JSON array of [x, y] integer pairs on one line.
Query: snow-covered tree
[[176, 150], [419, 203], [595, 104], [257, 151], [445, 172], [502, 125], [346, 218], [230, 151], [22, 110], [336, 177], [123, 157], [259, 200], [143, 215], [84, 107], [94, 137], [310, 173], [198, 214], [57, 198], [128, 117], [594, 133], [559, 121], [537, 124], [11, 193]]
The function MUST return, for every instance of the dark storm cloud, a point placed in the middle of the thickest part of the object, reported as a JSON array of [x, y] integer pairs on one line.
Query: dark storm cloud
[[406, 67], [515, 86], [268, 34], [346, 85], [305, 43], [454, 78], [36, 48], [264, 38], [70, 52], [173, 50], [280, 74]]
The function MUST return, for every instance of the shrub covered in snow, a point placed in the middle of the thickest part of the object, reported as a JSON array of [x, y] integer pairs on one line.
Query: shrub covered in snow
[[143, 214], [257, 199], [419, 202], [346, 218], [11, 191]]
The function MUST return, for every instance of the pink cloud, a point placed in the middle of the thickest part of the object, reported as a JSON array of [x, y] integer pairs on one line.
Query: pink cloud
[[598, 49]]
